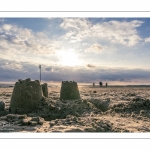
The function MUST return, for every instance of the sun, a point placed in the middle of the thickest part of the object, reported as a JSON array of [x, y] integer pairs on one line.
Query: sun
[[68, 58]]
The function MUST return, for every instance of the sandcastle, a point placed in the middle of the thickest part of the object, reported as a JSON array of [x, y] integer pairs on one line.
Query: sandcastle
[[69, 90], [26, 96], [45, 89]]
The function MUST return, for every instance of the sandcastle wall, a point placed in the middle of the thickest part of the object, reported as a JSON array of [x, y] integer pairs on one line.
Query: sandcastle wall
[[69, 90], [26, 96]]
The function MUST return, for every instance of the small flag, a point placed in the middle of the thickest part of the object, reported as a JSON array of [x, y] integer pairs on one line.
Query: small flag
[[39, 66]]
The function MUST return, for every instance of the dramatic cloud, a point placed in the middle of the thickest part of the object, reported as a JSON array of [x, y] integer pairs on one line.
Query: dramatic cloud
[[147, 39], [80, 49], [14, 38], [90, 66], [12, 71], [81, 74], [51, 69], [124, 33], [95, 48], [12, 66]]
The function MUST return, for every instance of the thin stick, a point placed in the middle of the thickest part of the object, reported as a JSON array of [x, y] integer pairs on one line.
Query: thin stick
[[40, 72]]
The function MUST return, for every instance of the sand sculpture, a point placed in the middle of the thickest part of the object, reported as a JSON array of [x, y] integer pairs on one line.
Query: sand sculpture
[[2, 106], [45, 89], [69, 90], [26, 96]]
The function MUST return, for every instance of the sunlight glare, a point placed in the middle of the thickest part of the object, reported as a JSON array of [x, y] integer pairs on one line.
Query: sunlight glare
[[68, 58]]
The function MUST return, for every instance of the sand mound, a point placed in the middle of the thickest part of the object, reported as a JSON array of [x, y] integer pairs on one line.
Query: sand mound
[[13, 122], [80, 124], [136, 104], [55, 109], [103, 105], [137, 107]]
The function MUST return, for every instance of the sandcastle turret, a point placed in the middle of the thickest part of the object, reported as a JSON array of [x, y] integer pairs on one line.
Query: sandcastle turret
[[45, 89], [69, 90], [26, 96]]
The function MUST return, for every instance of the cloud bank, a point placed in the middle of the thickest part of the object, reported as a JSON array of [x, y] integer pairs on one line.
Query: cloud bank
[[124, 32], [22, 50]]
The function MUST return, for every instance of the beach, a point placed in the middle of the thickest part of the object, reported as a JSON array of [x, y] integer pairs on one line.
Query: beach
[[100, 109]]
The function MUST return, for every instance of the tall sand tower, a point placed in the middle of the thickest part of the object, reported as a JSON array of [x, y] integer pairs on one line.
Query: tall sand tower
[[69, 90]]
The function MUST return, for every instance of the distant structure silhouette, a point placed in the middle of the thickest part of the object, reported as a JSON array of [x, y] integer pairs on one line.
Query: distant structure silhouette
[[93, 84], [106, 84], [100, 84]]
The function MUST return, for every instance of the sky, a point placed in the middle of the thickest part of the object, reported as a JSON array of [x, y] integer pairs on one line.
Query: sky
[[112, 50]]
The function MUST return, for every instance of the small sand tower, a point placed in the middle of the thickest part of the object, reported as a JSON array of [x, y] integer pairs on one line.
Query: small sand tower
[[69, 91], [26, 96], [45, 89]]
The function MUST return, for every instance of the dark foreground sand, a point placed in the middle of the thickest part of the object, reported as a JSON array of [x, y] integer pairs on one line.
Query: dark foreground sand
[[111, 109]]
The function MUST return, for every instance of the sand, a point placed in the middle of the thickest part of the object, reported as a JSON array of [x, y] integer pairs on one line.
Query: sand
[[100, 109]]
